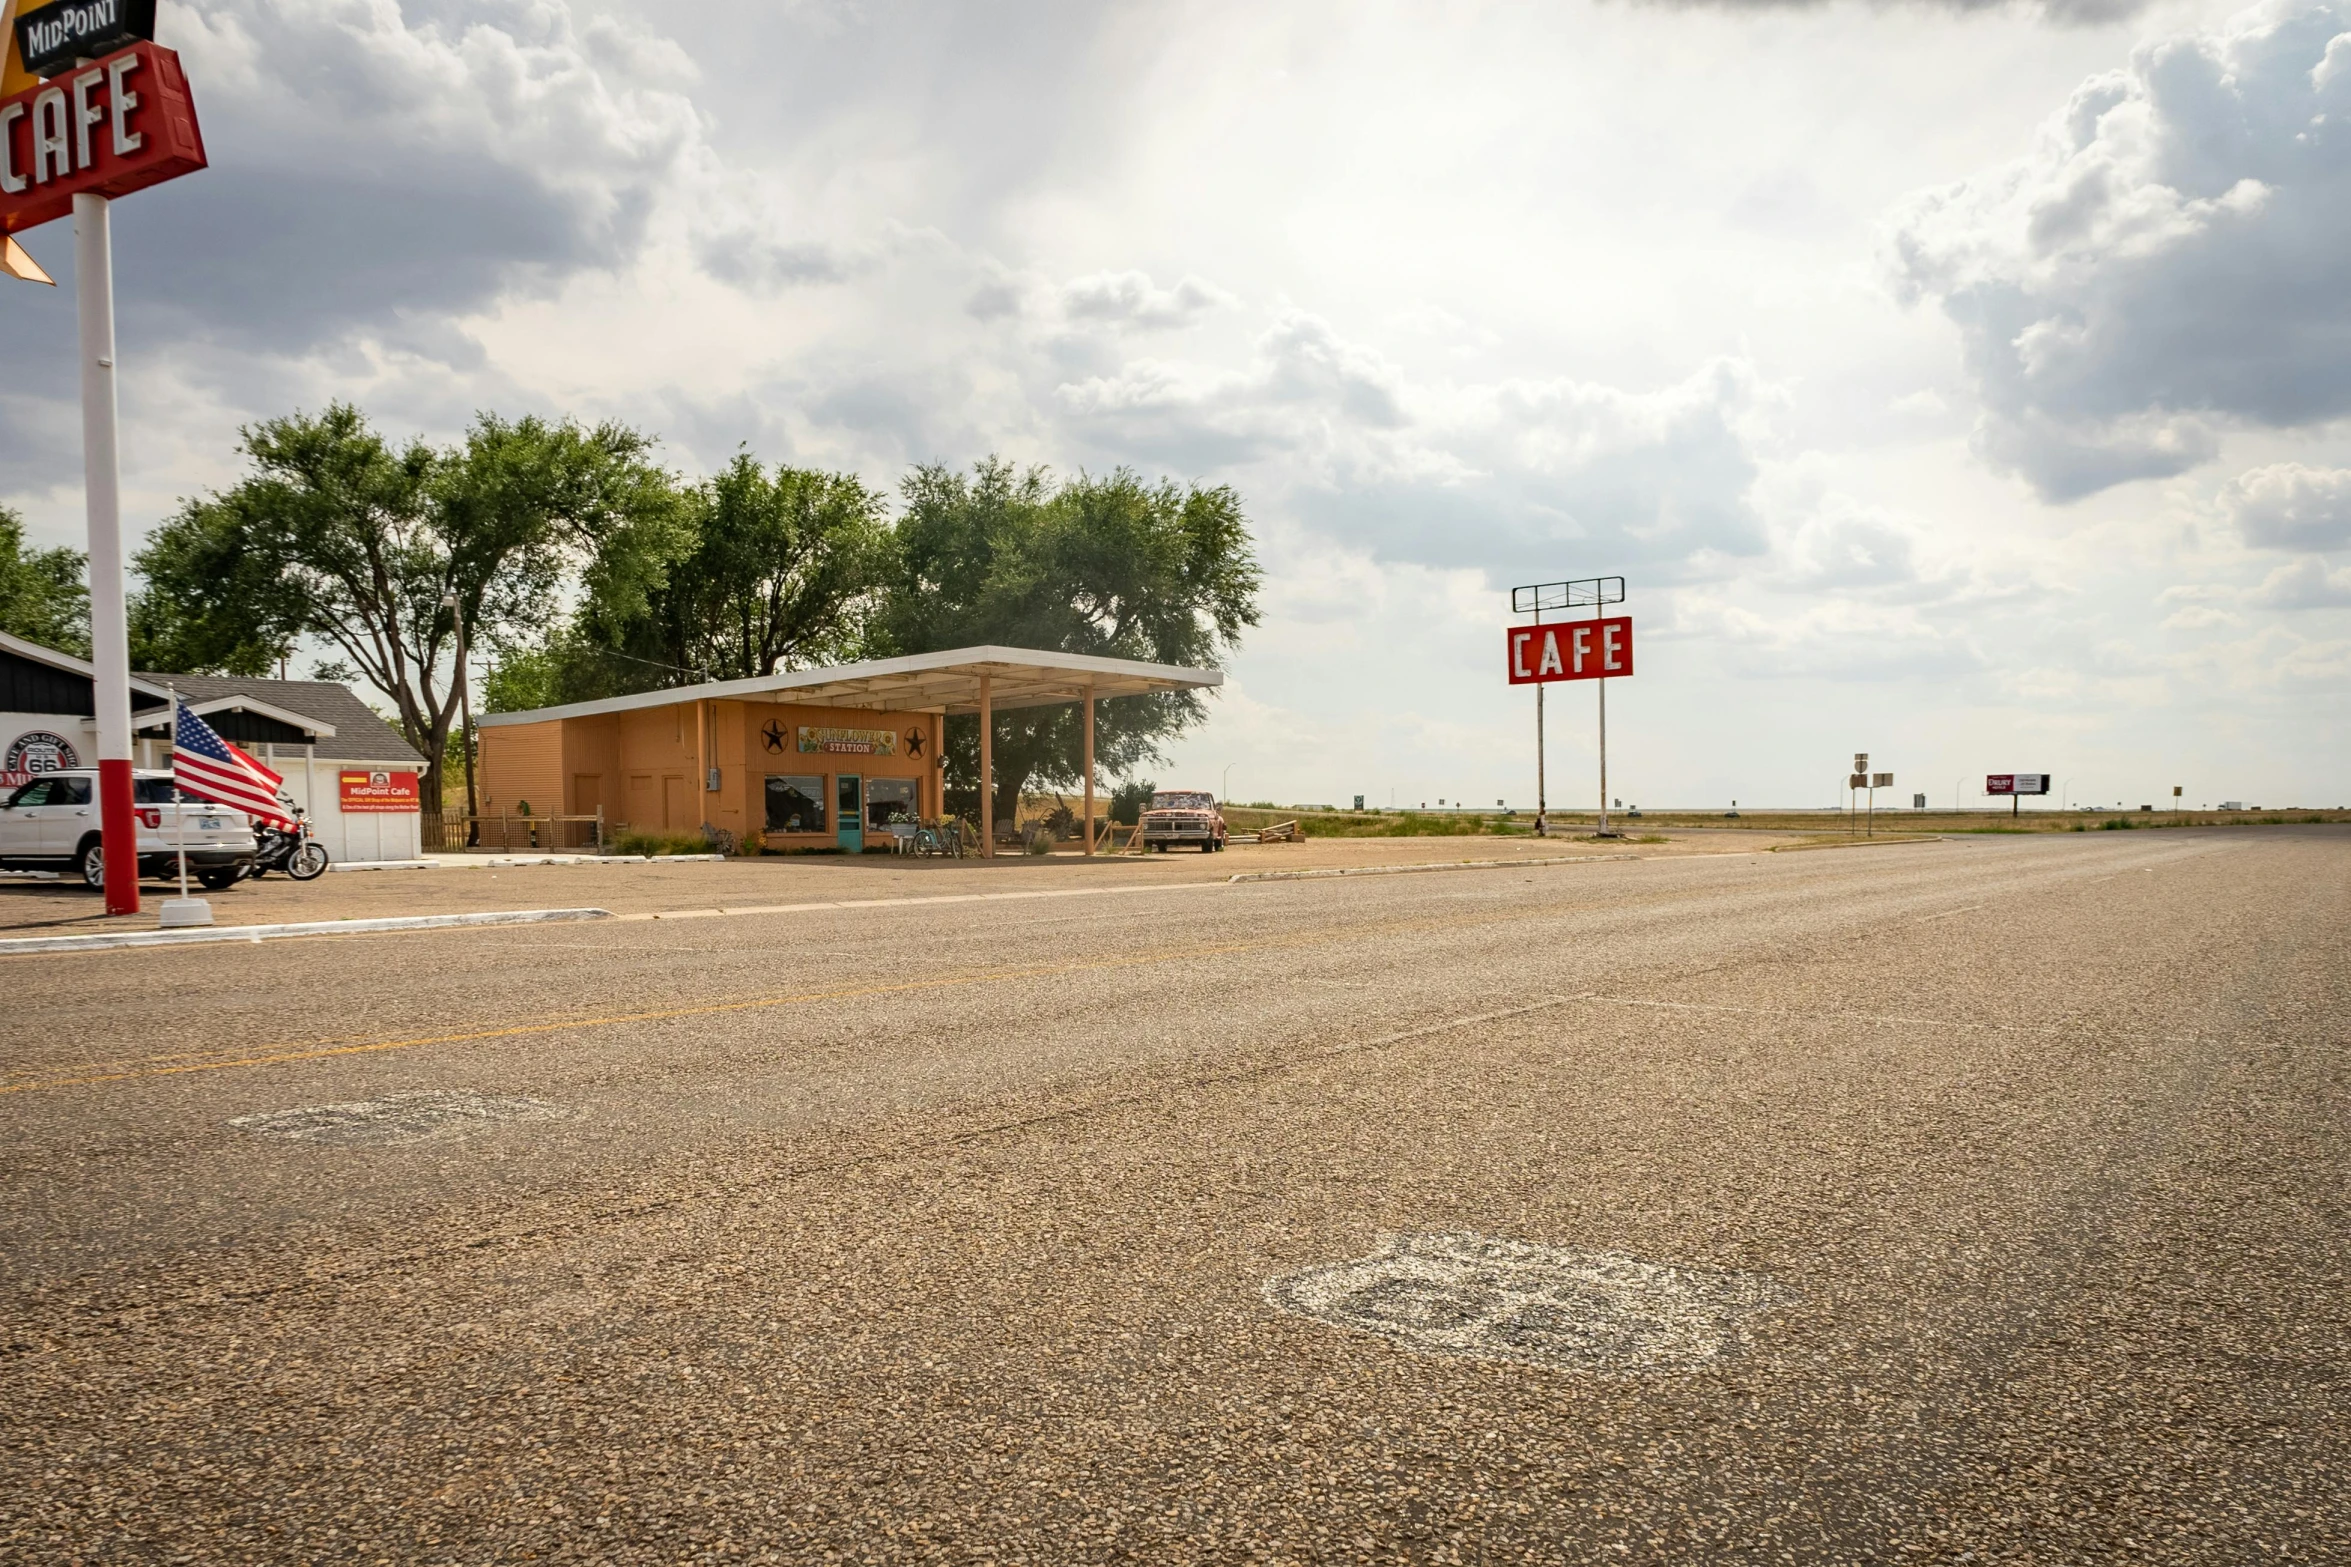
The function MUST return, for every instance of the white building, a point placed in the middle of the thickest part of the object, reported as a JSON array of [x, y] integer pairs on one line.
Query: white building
[[342, 763]]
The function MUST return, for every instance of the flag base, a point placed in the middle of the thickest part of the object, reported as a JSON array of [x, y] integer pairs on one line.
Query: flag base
[[181, 913]]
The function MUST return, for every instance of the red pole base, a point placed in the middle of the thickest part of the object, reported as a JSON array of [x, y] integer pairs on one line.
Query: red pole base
[[118, 831]]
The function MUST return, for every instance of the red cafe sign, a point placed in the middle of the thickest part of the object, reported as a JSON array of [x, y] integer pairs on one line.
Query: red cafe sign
[[120, 125], [1571, 650]]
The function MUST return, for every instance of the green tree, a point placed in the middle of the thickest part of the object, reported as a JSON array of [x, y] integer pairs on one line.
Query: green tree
[[766, 572], [1110, 566], [341, 538], [42, 594]]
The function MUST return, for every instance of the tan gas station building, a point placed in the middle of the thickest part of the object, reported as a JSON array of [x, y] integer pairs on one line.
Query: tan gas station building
[[808, 759]]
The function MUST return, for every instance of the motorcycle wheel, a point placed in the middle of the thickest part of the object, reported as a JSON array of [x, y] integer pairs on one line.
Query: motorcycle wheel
[[307, 863]]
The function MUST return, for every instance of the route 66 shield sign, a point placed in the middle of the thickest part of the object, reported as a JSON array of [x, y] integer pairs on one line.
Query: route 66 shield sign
[[1463, 1294]]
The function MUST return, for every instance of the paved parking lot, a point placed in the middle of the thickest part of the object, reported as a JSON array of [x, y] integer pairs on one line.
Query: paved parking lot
[[46, 906], [1969, 1200]]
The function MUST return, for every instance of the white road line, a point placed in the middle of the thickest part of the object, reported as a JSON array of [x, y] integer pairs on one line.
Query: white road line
[[107, 940], [1433, 865], [921, 902], [2067, 1030]]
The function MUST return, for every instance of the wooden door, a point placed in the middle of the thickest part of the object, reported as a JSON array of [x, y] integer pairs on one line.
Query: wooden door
[[644, 804], [587, 798], [674, 802]]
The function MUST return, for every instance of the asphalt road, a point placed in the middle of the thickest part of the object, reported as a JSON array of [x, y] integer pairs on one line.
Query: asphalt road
[[1978, 1200]]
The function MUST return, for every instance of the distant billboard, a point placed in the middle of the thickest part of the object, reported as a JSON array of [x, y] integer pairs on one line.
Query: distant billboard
[[2016, 783]]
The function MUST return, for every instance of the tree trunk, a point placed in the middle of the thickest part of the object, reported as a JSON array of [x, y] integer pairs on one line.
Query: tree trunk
[[1011, 778]]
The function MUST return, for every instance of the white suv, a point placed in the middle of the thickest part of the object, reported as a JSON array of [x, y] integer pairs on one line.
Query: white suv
[[51, 824]]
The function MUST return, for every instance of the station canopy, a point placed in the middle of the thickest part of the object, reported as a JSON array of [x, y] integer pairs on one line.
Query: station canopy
[[947, 682]]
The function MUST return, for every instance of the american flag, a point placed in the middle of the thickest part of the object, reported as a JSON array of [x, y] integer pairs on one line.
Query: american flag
[[209, 768]]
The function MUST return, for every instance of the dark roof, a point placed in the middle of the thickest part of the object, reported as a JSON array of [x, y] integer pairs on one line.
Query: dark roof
[[360, 735]]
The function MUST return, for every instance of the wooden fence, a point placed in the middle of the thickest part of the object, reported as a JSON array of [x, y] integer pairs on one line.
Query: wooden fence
[[453, 831]]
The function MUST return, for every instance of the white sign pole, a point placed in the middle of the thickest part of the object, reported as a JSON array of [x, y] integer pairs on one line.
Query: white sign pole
[[1542, 801], [110, 650]]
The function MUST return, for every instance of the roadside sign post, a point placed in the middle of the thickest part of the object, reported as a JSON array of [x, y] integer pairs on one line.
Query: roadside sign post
[[110, 645], [1583, 650], [91, 109], [1877, 781]]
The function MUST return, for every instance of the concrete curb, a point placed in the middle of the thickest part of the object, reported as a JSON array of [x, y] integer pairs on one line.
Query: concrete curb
[[23, 945], [1434, 865]]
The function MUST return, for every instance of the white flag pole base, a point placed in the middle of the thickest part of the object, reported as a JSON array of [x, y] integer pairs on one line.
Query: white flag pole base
[[181, 913]]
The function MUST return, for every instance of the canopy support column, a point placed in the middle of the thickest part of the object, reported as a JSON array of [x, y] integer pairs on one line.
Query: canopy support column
[[1089, 766], [987, 768]]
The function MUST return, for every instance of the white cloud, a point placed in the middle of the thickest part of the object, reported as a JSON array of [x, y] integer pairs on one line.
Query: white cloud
[[2305, 584], [2289, 506], [2165, 264], [1515, 474], [1130, 301]]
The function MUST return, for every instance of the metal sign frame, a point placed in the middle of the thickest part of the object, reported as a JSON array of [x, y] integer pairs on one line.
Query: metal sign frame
[[1539, 599]]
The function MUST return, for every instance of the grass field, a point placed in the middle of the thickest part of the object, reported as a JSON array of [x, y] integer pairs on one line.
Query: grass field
[[1323, 823]]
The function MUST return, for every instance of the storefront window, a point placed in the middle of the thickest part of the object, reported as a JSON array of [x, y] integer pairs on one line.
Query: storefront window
[[888, 800], [795, 803]]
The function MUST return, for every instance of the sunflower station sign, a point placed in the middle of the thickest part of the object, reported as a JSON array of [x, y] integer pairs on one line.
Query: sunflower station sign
[[91, 109], [849, 742], [1598, 649]]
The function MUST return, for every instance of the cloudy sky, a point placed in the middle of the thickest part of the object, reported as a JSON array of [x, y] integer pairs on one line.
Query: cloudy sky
[[1967, 384]]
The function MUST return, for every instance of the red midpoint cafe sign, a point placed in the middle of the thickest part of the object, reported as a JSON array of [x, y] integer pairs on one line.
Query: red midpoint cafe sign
[[122, 124], [1571, 650]]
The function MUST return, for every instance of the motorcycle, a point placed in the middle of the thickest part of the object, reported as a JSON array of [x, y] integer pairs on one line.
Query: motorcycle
[[296, 853]]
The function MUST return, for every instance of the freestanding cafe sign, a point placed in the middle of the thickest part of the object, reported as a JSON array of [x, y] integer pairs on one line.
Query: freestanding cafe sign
[[122, 125], [92, 109], [1598, 649], [1575, 650]]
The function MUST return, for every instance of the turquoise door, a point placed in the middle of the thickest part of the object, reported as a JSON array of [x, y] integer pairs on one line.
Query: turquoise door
[[849, 812]]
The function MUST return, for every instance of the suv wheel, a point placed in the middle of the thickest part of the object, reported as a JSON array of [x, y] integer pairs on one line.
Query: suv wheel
[[90, 865]]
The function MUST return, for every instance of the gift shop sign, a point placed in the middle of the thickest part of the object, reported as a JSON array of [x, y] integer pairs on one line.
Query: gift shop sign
[[122, 124], [361, 791], [1571, 650]]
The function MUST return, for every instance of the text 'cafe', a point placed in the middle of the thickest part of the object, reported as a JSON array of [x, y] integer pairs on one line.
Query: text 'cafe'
[[802, 759]]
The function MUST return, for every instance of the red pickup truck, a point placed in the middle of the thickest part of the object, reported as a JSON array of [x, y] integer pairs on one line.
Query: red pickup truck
[[1183, 816]]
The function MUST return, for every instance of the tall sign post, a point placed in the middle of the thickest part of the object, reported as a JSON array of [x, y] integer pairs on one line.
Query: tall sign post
[[1594, 649], [91, 109]]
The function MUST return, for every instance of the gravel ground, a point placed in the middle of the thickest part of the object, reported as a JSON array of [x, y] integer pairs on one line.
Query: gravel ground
[[1977, 1200]]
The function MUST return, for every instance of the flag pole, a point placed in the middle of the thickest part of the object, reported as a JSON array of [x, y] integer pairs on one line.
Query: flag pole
[[179, 801], [182, 910]]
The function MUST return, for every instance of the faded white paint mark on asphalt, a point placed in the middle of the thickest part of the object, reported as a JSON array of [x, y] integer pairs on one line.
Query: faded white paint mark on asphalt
[[434, 1115], [1486, 1299]]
